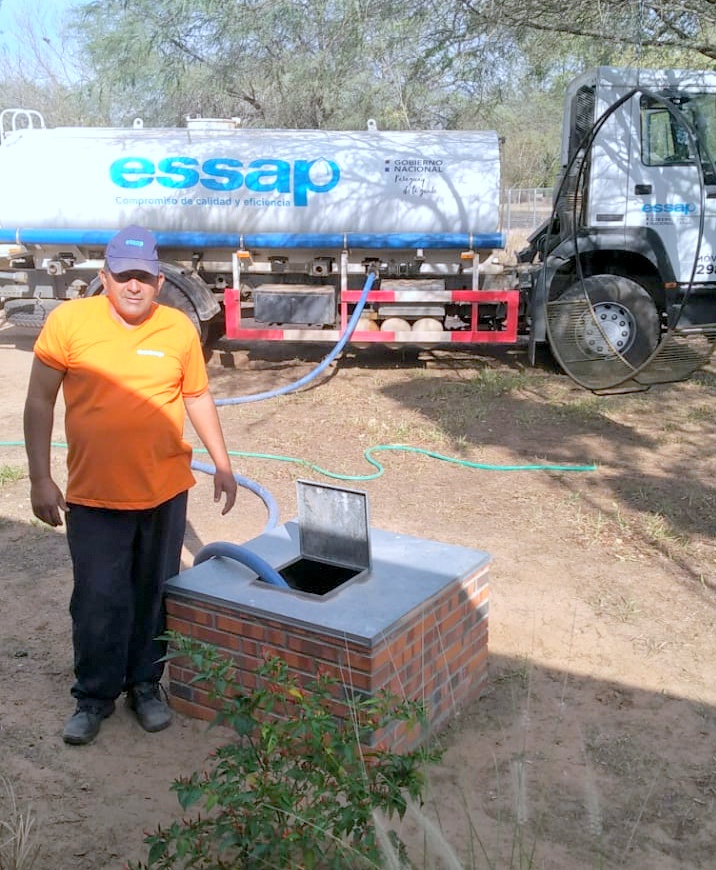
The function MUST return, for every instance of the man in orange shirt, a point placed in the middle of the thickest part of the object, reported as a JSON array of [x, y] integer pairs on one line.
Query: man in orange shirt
[[129, 369]]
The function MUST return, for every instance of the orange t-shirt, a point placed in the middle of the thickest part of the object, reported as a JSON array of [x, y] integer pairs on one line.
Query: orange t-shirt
[[123, 390]]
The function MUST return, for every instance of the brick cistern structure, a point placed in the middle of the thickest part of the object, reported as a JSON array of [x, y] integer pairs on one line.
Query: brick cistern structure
[[414, 623]]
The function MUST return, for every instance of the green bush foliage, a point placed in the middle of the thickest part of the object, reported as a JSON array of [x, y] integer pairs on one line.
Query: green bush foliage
[[297, 786]]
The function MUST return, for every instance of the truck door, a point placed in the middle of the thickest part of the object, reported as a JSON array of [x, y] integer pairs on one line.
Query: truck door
[[611, 156], [678, 137]]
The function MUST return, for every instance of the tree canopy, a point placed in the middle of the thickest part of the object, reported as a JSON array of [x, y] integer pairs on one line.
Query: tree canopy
[[432, 64]]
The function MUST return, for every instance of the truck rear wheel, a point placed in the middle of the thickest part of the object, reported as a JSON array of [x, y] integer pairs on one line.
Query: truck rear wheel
[[600, 320], [172, 294]]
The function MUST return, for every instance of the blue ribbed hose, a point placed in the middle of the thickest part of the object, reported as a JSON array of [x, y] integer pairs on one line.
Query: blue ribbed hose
[[241, 554], [246, 557], [306, 379], [247, 483]]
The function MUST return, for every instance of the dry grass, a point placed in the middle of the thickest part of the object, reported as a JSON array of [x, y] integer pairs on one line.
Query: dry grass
[[10, 474], [18, 846]]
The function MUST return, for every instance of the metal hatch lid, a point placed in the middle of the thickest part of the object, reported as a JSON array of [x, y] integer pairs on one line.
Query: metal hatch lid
[[333, 524]]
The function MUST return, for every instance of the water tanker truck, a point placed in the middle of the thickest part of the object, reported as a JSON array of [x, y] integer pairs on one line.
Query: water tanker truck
[[270, 234]]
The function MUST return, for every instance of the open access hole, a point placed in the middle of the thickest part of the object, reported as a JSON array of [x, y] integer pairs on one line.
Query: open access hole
[[318, 578]]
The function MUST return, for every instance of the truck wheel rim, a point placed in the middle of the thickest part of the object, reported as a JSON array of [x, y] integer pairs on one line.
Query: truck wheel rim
[[608, 328]]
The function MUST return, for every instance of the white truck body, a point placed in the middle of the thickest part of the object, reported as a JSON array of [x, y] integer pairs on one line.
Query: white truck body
[[271, 233]]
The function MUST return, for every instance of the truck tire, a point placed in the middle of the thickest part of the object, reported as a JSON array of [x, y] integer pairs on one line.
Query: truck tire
[[621, 318], [172, 294]]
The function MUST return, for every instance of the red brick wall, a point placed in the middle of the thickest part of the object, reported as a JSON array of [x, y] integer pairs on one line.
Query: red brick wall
[[437, 653]]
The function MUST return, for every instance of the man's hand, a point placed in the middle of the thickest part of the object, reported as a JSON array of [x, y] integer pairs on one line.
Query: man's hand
[[202, 413], [47, 501], [224, 484]]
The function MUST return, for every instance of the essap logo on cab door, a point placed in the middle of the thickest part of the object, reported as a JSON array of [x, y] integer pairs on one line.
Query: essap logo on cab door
[[298, 178], [669, 208]]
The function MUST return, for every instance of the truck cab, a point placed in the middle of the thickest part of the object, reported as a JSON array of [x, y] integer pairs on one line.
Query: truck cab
[[627, 265]]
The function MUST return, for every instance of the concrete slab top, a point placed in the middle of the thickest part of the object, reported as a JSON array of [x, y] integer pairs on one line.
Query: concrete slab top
[[405, 573]]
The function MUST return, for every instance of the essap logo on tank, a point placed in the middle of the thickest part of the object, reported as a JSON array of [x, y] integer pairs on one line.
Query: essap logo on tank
[[298, 178]]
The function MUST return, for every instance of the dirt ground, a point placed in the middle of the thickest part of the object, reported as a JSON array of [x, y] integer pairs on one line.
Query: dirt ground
[[594, 745]]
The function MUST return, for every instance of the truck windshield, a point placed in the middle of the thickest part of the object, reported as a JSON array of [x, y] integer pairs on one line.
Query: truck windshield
[[665, 139]]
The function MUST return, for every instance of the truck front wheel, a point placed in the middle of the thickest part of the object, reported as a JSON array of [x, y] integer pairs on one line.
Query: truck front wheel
[[602, 318]]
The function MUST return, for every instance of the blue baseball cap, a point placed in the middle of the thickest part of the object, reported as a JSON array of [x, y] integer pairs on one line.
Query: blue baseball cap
[[133, 249]]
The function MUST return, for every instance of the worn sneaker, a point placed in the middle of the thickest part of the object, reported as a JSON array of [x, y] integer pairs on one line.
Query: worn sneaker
[[83, 725], [152, 712]]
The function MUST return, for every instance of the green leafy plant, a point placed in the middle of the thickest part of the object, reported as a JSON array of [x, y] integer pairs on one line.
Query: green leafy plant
[[299, 786]]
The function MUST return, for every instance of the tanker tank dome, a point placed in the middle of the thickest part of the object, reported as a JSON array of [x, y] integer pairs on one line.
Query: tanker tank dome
[[211, 125]]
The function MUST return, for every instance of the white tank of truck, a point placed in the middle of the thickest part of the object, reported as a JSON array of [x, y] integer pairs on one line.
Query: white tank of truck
[[270, 235], [207, 179]]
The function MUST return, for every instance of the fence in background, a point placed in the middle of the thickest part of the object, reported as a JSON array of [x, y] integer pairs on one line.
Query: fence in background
[[525, 208]]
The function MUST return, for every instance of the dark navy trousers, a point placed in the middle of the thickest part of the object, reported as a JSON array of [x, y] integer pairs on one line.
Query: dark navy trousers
[[121, 561]]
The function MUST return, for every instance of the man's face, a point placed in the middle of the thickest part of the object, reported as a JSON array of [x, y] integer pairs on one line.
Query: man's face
[[131, 294]]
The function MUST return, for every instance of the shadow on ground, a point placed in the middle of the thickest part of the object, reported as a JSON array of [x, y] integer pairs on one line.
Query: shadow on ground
[[578, 771]]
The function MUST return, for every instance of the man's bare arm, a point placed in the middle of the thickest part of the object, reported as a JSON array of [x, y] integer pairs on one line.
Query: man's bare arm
[[201, 410], [46, 497]]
